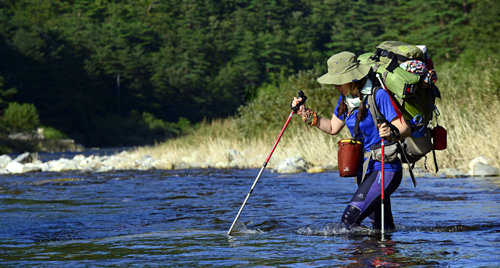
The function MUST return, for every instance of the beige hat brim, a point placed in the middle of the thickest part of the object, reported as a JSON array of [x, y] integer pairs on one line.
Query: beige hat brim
[[340, 79]]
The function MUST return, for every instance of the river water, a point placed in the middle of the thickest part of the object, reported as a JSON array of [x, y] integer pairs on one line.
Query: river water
[[180, 218]]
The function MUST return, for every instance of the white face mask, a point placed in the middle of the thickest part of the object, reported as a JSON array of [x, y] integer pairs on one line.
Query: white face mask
[[352, 101]]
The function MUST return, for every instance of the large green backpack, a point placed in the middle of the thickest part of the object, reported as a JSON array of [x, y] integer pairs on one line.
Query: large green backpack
[[416, 98]]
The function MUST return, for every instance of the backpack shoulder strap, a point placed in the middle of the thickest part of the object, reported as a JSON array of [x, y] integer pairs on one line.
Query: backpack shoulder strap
[[375, 112], [372, 106]]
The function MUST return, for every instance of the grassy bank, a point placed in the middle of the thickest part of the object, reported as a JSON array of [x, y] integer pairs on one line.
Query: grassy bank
[[470, 111]]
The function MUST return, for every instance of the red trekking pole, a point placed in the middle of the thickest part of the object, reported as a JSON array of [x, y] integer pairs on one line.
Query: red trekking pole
[[382, 120], [294, 110], [382, 190]]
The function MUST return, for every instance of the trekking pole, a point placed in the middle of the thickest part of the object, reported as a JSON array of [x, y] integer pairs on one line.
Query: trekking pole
[[381, 120], [294, 110], [382, 190]]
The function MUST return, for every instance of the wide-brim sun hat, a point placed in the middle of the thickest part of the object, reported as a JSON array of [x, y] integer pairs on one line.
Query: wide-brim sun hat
[[344, 68]]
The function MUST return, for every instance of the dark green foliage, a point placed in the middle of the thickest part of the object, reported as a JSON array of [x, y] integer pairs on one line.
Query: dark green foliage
[[481, 35], [88, 65], [269, 110], [164, 129], [5, 94], [19, 118]]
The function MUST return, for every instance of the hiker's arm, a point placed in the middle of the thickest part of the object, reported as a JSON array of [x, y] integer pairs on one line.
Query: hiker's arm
[[404, 129], [332, 127]]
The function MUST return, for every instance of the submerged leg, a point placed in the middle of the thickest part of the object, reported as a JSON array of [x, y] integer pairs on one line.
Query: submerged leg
[[350, 216], [366, 201], [388, 218]]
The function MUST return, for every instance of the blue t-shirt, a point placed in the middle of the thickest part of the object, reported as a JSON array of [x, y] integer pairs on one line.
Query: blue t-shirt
[[368, 131]]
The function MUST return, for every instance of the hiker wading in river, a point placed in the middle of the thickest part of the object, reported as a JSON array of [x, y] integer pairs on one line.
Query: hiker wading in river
[[353, 82]]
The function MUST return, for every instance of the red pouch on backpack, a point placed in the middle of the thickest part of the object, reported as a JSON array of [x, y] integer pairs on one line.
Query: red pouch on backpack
[[349, 157], [439, 140]]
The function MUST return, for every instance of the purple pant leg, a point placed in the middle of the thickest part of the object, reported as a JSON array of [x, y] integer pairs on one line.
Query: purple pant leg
[[367, 198]]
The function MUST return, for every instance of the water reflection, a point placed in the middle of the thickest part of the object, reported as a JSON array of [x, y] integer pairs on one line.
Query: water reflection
[[370, 251]]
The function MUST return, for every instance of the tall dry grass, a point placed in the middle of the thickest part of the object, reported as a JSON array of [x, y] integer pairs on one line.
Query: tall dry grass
[[470, 111], [217, 144]]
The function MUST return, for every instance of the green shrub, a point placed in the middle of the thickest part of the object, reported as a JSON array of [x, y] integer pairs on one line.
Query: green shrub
[[184, 124], [19, 118], [162, 128], [52, 133]]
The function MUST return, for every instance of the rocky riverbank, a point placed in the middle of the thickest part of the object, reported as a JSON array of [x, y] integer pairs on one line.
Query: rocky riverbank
[[36, 142], [29, 162]]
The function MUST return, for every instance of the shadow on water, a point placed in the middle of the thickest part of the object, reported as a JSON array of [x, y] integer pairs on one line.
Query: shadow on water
[[180, 218]]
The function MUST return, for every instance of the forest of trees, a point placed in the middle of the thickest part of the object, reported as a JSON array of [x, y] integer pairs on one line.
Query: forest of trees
[[108, 72]]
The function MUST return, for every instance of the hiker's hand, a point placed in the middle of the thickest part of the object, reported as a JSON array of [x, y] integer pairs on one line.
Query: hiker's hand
[[302, 109], [388, 132], [384, 130]]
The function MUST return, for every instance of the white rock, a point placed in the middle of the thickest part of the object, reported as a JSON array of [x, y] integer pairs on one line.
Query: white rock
[[85, 163], [79, 158], [292, 164], [30, 167], [62, 164], [481, 166], [105, 169], [479, 159], [86, 169], [45, 166], [14, 167], [4, 160], [23, 158], [483, 170]]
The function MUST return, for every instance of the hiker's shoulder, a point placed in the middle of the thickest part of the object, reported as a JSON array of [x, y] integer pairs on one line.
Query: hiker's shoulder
[[380, 94]]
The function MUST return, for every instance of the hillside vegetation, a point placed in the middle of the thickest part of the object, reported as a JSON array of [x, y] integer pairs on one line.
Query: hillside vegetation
[[111, 73]]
